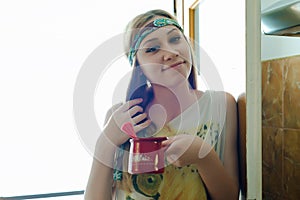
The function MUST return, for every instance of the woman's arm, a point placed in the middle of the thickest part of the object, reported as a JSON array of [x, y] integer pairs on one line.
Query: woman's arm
[[220, 180], [100, 182]]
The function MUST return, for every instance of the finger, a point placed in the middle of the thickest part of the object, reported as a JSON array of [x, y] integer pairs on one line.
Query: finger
[[135, 109], [139, 118], [172, 159], [168, 142], [131, 103], [142, 126], [175, 148]]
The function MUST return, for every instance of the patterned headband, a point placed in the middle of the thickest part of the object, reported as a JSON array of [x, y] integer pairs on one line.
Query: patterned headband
[[149, 28]]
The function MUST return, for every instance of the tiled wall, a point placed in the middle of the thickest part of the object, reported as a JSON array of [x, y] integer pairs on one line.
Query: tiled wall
[[281, 128]]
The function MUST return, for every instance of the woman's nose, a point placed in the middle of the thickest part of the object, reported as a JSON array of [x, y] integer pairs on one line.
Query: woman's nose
[[169, 54]]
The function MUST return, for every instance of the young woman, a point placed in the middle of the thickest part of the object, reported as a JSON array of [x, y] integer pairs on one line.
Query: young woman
[[163, 100]]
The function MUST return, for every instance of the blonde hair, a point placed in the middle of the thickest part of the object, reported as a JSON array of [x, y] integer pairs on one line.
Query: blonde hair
[[138, 22], [138, 87]]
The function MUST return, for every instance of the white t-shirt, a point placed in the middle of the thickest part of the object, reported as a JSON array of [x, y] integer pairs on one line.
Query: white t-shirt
[[206, 119]]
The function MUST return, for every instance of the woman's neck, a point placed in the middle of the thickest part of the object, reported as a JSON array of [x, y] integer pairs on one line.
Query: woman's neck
[[173, 100]]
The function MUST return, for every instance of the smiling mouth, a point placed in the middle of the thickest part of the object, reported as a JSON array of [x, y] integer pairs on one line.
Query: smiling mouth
[[173, 66]]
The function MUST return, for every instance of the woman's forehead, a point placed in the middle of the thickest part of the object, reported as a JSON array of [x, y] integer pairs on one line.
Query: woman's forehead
[[151, 20], [161, 33], [155, 28]]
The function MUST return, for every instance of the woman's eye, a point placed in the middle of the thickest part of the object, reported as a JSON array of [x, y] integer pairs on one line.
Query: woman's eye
[[175, 39], [152, 49]]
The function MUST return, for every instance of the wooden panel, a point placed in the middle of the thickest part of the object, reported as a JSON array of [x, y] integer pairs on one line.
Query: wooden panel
[[241, 103]]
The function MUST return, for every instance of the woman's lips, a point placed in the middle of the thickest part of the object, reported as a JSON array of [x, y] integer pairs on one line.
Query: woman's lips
[[173, 65]]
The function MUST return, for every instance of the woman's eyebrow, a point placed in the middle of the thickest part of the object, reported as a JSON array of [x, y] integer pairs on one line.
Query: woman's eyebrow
[[174, 29], [150, 40], [153, 39]]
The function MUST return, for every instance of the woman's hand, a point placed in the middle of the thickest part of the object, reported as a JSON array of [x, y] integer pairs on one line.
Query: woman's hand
[[125, 113], [183, 149]]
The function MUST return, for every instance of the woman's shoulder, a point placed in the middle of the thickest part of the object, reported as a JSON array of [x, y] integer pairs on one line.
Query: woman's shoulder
[[226, 96], [225, 101], [217, 100], [199, 93]]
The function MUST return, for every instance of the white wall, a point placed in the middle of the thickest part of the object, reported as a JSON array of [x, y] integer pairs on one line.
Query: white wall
[[43, 46], [222, 36]]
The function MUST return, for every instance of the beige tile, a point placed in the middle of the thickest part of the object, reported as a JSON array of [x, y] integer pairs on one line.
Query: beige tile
[[272, 92], [292, 93], [272, 155], [291, 164]]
